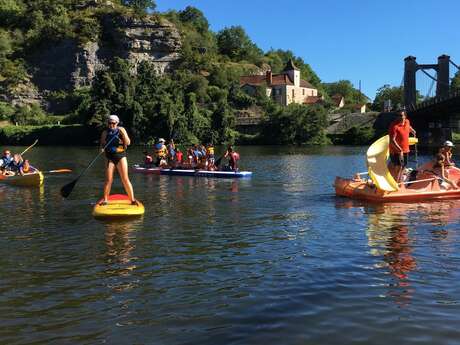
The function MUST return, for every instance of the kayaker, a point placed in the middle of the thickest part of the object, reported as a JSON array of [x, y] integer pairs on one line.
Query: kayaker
[[161, 153], [233, 158], [6, 159], [27, 168], [117, 140], [399, 132], [16, 164]]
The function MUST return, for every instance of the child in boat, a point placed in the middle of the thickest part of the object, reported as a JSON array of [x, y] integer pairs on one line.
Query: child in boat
[[171, 147], [16, 164], [440, 168], [179, 157], [26, 168]]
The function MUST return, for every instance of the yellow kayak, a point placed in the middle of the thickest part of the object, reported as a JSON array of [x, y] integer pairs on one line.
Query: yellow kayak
[[32, 179], [118, 205]]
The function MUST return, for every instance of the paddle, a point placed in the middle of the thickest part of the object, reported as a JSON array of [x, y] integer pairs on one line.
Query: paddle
[[68, 188], [27, 149], [57, 171]]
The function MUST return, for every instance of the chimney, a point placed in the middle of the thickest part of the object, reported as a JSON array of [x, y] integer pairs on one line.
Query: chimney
[[269, 77]]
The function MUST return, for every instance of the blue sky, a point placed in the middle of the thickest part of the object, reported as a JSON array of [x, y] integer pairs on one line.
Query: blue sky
[[354, 39]]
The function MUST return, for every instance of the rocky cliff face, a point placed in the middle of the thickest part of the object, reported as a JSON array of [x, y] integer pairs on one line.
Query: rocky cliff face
[[68, 65]]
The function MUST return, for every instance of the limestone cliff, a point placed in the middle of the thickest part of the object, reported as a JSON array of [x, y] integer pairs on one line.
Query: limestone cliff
[[68, 64]]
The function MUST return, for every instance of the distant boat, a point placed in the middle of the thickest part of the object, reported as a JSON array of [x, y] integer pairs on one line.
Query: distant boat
[[191, 172]]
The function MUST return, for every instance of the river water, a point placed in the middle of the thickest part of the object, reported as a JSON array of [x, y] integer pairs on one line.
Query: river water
[[275, 259]]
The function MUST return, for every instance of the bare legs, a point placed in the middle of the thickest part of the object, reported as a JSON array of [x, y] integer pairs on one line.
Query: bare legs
[[108, 179], [122, 168]]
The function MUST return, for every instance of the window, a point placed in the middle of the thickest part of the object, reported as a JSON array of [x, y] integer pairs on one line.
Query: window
[[303, 92], [293, 94]]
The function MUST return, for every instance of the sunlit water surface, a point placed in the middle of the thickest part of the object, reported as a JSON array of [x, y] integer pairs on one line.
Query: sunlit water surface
[[275, 259]]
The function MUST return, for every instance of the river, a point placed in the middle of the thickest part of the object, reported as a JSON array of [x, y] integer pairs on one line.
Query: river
[[274, 259]]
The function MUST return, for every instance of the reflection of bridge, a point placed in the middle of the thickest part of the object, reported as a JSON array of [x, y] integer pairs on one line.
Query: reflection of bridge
[[435, 118]]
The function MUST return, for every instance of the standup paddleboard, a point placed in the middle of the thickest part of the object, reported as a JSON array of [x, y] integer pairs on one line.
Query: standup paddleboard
[[118, 205]]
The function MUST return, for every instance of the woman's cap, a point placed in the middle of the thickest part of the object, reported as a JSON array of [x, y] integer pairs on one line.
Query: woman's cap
[[448, 143], [114, 118]]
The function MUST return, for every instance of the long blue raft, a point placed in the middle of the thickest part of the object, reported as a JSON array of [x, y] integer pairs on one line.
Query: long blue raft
[[191, 172]]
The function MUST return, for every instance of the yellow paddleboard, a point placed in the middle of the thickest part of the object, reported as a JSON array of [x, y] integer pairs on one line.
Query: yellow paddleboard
[[118, 205], [376, 159]]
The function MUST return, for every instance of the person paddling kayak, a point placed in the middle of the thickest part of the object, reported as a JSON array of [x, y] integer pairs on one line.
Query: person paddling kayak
[[117, 140]]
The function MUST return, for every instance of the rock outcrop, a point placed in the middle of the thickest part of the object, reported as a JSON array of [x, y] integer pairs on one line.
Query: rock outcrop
[[68, 65]]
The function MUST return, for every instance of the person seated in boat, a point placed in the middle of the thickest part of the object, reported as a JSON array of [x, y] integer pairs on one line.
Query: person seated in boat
[[26, 168], [197, 155], [6, 159], [161, 153], [446, 151], [440, 169], [179, 157], [210, 159], [17, 164], [188, 164], [399, 132], [148, 159], [233, 158], [171, 148]]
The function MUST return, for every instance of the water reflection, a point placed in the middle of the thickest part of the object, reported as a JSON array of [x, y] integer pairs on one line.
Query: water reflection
[[120, 240]]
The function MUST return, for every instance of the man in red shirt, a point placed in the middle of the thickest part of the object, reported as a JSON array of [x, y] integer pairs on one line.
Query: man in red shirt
[[399, 144]]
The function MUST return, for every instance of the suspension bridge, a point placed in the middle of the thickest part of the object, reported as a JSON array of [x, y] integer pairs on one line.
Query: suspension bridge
[[436, 116]]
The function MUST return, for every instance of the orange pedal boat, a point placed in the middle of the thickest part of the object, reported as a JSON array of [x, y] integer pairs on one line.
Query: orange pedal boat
[[381, 187]]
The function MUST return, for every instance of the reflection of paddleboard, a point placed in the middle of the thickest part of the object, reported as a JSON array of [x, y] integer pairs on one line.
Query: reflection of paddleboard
[[377, 156], [118, 205]]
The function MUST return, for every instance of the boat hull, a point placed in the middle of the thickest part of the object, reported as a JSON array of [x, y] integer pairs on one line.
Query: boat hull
[[192, 172], [416, 192], [118, 206], [28, 180]]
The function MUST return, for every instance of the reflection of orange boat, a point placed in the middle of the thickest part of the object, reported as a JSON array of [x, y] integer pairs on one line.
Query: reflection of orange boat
[[383, 188]]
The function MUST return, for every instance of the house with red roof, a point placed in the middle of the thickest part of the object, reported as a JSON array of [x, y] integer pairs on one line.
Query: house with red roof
[[285, 88]]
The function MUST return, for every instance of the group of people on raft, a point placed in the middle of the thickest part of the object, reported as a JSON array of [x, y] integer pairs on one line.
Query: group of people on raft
[[399, 132], [11, 165], [199, 157]]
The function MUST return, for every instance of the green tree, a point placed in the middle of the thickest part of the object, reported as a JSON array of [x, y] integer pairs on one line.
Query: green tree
[[141, 6], [386, 92], [235, 43], [195, 17], [277, 59], [455, 84], [296, 124]]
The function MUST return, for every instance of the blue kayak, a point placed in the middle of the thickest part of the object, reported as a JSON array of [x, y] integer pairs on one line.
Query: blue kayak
[[191, 172]]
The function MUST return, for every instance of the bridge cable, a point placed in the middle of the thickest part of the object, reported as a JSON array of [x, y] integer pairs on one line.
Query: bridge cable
[[454, 64]]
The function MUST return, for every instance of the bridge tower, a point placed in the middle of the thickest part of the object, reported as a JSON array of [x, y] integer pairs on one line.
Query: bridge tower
[[442, 81], [442, 86], [410, 68]]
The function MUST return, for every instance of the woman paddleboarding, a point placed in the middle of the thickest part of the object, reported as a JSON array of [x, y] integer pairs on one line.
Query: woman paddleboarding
[[114, 142]]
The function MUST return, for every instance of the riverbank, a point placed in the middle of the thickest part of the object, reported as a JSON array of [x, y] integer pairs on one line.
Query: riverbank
[[64, 135]]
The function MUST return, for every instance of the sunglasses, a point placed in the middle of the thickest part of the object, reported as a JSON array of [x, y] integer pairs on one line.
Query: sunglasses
[[112, 123]]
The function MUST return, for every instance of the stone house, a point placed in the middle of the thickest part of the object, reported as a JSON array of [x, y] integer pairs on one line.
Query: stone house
[[285, 88]]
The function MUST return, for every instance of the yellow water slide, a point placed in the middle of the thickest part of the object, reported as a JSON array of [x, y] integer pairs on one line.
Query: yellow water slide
[[376, 158]]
